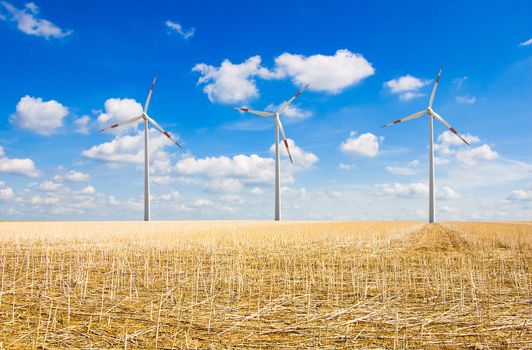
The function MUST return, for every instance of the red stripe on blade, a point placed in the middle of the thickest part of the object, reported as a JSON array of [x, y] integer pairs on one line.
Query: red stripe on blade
[[397, 121], [114, 126]]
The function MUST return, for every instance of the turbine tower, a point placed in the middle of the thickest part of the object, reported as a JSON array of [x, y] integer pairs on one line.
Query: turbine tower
[[147, 120], [278, 127], [432, 115]]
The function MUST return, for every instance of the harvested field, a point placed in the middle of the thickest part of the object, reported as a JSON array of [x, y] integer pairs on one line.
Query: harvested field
[[171, 285]]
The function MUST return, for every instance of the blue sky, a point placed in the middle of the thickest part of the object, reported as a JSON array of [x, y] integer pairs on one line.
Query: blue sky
[[68, 69]]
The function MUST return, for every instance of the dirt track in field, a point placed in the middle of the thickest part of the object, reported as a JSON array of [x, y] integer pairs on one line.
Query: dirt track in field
[[438, 237]]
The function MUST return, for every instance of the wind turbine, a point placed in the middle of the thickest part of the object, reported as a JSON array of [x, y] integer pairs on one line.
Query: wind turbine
[[278, 127], [432, 115], [147, 120]]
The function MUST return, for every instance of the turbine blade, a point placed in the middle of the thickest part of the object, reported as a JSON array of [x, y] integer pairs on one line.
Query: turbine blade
[[287, 103], [444, 122], [412, 116], [162, 131], [435, 87], [284, 138], [147, 104], [125, 122], [247, 110]]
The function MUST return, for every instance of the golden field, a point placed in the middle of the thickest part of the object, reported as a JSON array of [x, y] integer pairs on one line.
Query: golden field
[[177, 285]]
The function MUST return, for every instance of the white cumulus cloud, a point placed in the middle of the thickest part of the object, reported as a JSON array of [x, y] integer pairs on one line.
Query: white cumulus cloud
[[37, 200], [447, 192], [448, 145], [28, 22], [230, 83], [118, 110], [6, 193], [224, 185], [130, 149], [50, 186], [404, 190], [167, 197], [448, 138], [366, 145], [473, 155], [72, 176], [38, 116], [89, 190], [15, 166], [451, 146], [406, 86], [302, 159], [331, 74], [82, 124], [247, 169]]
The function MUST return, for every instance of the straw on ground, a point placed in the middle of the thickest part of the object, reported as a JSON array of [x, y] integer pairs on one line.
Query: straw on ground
[[265, 285]]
